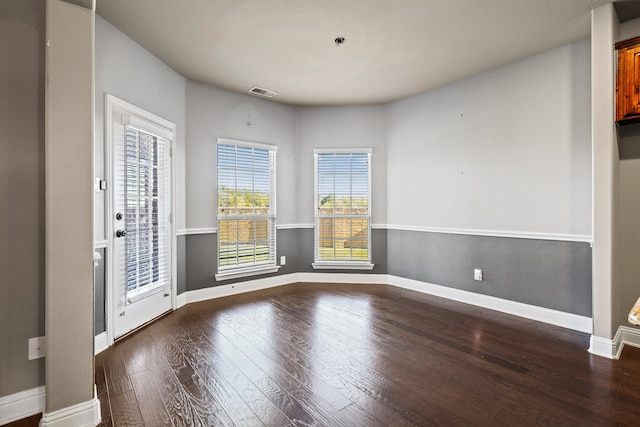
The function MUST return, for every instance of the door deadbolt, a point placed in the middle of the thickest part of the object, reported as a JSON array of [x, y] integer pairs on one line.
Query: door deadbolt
[[119, 216]]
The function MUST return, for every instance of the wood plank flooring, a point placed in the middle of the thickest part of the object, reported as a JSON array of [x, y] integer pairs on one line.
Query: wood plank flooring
[[32, 421], [360, 355]]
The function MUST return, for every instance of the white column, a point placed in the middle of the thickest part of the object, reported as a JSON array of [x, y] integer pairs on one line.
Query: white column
[[604, 32], [69, 116]]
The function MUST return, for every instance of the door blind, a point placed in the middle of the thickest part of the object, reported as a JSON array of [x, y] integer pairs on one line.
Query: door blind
[[147, 208]]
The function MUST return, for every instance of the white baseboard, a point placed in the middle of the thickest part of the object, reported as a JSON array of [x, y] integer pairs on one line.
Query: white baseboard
[[554, 317], [604, 347], [612, 349], [545, 315], [21, 405], [101, 343], [275, 281], [365, 279], [86, 414], [181, 300], [239, 288], [540, 314], [629, 336]]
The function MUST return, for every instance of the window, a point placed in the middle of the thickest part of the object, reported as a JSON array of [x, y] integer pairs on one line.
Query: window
[[246, 209], [343, 211]]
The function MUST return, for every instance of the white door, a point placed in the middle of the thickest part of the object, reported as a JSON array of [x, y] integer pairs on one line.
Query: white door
[[141, 230]]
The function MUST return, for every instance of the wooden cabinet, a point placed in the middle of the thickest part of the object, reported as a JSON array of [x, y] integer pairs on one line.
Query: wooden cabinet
[[628, 81]]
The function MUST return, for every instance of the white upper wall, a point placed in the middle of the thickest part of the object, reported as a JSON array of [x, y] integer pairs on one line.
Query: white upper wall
[[341, 127], [126, 70], [629, 29], [216, 113], [507, 150]]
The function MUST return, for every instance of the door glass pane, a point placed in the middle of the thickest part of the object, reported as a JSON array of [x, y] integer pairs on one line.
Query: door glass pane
[[143, 220]]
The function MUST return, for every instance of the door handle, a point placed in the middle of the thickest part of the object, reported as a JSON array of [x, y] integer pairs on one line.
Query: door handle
[[121, 233]]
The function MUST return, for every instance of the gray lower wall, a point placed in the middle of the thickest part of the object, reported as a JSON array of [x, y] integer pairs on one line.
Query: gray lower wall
[[543, 273], [100, 284], [182, 264], [295, 244], [305, 250]]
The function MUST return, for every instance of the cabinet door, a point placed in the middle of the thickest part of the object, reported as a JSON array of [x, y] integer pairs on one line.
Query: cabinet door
[[628, 84]]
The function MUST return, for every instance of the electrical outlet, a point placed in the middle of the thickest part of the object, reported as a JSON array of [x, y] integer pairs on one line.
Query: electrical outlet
[[477, 275], [36, 348], [283, 260]]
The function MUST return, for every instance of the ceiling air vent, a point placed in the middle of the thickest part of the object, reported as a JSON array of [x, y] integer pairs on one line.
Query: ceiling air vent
[[262, 92]]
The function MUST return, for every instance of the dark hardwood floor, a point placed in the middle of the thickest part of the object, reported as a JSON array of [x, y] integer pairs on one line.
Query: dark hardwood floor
[[360, 355], [32, 421]]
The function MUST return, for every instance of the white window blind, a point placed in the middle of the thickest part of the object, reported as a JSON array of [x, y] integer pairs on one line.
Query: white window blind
[[147, 209], [342, 206], [246, 206]]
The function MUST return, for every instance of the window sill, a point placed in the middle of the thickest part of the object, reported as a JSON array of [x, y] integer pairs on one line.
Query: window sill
[[331, 265], [245, 272]]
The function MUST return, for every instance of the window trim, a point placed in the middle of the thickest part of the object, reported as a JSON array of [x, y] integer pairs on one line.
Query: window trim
[[340, 264], [255, 269]]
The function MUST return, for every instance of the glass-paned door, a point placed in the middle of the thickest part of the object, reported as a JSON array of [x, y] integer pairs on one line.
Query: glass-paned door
[[141, 219]]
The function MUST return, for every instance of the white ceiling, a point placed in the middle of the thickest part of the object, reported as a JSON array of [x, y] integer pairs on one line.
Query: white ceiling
[[393, 48]]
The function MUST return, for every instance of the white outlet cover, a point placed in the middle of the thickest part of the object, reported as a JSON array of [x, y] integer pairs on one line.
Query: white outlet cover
[[477, 274], [36, 348], [283, 260]]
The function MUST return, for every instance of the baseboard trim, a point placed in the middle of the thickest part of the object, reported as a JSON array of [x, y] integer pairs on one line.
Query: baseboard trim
[[365, 279], [540, 314], [101, 343], [612, 349], [21, 405], [629, 336], [603, 347], [86, 414], [239, 288], [181, 300]]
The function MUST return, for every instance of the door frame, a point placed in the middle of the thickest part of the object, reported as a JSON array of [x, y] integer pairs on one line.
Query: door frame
[[112, 103]]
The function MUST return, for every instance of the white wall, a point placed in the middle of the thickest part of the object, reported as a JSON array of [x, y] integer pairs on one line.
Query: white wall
[[213, 113], [629, 29], [216, 113], [505, 150], [627, 289], [126, 70], [342, 127]]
